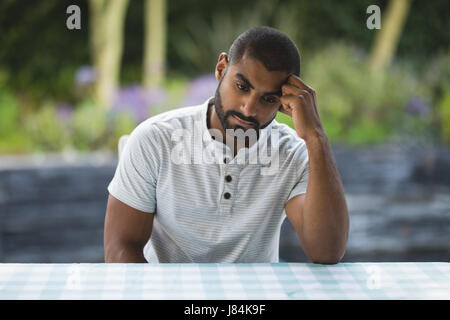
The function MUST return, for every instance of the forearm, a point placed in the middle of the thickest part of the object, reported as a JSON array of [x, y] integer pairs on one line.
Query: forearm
[[325, 214], [121, 253]]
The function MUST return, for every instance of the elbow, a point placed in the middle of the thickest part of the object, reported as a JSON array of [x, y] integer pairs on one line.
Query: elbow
[[327, 259], [326, 253]]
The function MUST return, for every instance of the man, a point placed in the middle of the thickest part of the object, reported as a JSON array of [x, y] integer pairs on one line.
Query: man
[[164, 207]]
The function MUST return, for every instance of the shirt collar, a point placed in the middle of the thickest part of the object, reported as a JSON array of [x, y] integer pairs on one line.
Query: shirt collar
[[263, 140]]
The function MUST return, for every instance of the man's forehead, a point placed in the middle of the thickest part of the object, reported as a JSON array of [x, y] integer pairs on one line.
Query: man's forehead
[[256, 73]]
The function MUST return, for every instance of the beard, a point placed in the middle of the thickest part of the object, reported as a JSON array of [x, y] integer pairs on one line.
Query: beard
[[224, 116]]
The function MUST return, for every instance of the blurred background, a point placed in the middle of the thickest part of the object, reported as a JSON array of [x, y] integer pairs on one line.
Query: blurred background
[[67, 95]]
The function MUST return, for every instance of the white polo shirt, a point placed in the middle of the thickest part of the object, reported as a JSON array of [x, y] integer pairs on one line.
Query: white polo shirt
[[208, 205]]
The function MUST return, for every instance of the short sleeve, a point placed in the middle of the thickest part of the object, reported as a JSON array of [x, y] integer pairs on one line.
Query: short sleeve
[[136, 175], [303, 173]]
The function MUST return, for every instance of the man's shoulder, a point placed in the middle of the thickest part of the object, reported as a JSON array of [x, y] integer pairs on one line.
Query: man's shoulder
[[291, 148]]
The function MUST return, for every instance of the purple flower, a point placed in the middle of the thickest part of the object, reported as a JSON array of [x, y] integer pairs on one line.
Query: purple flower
[[64, 112], [155, 96], [417, 106], [137, 101], [85, 75], [200, 89]]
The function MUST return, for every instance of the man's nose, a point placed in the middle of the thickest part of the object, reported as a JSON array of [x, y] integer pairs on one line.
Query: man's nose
[[249, 106]]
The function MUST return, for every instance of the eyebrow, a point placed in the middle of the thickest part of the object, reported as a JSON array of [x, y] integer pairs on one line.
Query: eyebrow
[[244, 79]]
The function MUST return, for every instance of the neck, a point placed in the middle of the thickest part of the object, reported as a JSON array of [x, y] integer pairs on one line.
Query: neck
[[213, 122]]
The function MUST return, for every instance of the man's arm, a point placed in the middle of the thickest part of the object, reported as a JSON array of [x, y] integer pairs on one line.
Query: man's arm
[[127, 230], [320, 216]]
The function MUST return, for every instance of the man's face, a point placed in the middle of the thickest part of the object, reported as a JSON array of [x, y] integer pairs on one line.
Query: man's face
[[248, 91]]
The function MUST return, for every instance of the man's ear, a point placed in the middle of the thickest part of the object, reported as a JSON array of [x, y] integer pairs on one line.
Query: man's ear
[[221, 66]]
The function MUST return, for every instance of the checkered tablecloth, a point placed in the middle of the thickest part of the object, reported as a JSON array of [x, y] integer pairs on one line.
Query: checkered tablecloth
[[226, 281]]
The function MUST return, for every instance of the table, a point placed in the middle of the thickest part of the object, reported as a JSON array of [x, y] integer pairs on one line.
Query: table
[[276, 281]]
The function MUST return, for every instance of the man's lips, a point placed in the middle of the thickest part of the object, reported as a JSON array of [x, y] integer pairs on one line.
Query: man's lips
[[243, 122]]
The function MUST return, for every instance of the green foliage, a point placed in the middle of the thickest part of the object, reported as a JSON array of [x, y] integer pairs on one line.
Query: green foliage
[[38, 51], [9, 113], [176, 86], [284, 118], [437, 80], [44, 129], [88, 126], [12, 137], [214, 33], [39, 59], [355, 105], [18, 142], [41, 54], [122, 124], [444, 112], [84, 127], [437, 77], [359, 107]]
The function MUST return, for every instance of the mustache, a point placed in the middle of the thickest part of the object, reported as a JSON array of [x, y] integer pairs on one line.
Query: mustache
[[252, 120]]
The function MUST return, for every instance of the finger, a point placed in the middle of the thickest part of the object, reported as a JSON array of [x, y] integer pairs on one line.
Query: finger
[[290, 89], [291, 99], [315, 105], [316, 111], [296, 81], [300, 93], [286, 102], [285, 110]]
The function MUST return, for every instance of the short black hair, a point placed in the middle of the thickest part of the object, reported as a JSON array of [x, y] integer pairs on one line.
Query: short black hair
[[274, 49]]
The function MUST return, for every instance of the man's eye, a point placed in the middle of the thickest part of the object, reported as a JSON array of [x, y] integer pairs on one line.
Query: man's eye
[[271, 99], [241, 87]]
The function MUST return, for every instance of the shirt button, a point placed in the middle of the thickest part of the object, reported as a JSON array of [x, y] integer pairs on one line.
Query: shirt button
[[227, 195], [228, 178]]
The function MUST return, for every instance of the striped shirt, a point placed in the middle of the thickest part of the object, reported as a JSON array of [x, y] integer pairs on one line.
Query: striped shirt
[[209, 206]]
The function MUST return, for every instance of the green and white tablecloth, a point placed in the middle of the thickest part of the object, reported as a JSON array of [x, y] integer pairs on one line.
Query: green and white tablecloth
[[226, 281]]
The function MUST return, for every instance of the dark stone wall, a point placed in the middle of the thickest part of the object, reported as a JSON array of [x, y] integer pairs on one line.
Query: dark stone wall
[[399, 205], [53, 214], [399, 202]]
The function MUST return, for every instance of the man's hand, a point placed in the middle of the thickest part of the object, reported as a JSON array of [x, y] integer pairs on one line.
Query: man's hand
[[299, 102], [320, 217]]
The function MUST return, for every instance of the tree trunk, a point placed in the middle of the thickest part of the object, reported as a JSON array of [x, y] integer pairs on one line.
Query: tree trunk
[[387, 37], [107, 20], [155, 42]]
